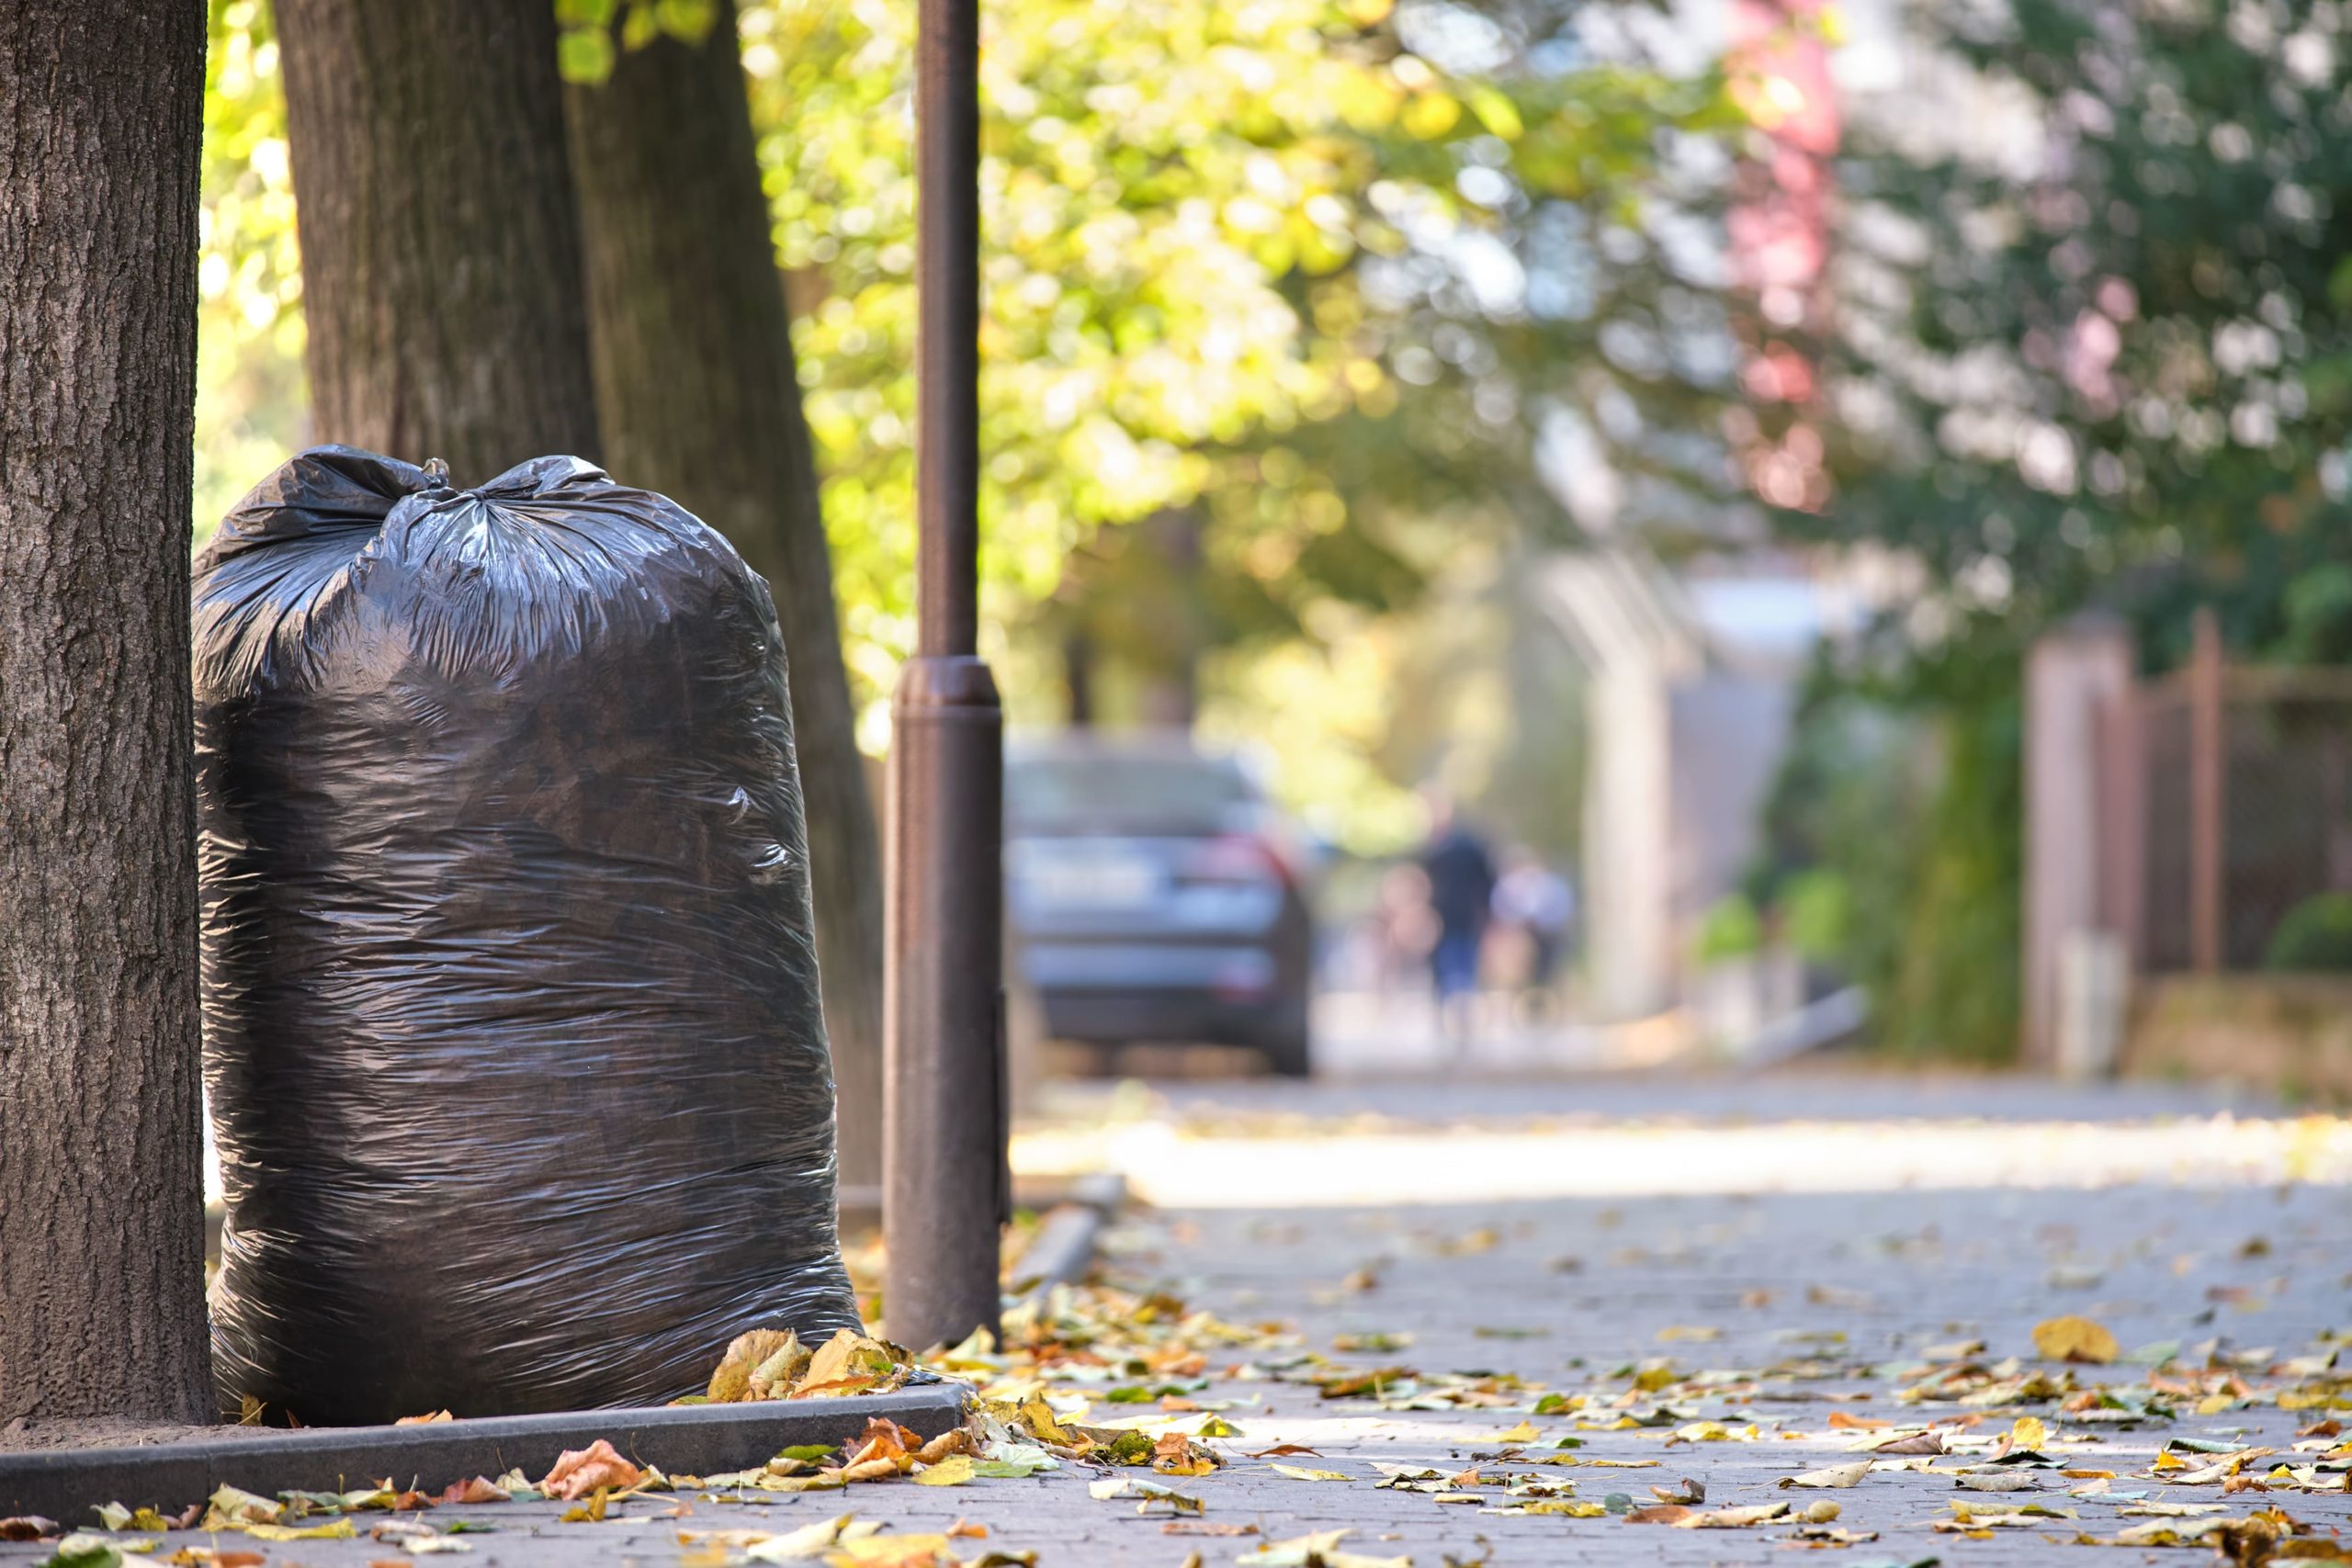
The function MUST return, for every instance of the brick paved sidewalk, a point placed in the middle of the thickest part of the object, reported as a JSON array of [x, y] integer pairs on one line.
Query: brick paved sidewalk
[[1830, 1295]]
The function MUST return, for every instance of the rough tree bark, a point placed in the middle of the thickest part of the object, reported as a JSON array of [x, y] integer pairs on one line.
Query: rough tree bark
[[440, 239], [698, 398], [101, 1219]]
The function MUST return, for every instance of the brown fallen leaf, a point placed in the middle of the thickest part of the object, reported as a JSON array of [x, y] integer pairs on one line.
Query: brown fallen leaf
[[967, 1529], [1659, 1514], [26, 1526], [372, 1561], [1176, 1454], [1283, 1451], [883, 1440], [1205, 1527], [1840, 1421], [581, 1470], [1917, 1443], [423, 1421], [478, 1490], [955, 1440], [730, 1381]]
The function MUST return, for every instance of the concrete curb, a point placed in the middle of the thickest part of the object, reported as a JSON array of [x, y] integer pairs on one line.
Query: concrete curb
[[686, 1439]]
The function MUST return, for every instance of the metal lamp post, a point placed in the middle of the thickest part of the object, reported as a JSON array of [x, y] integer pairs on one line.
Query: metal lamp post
[[945, 1187]]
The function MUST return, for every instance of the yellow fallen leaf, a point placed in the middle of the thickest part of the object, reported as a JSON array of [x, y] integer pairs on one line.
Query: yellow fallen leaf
[[953, 1471], [2029, 1435], [338, 1530], [1321, 1549], [809, 1541], [2073, 1340], [230, 1506], [892, 1552], [1297, 1473], [1524, 1432]]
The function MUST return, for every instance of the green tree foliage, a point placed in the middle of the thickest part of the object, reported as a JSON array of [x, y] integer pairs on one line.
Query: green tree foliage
[[1220, 270], [1316, 271], [2096, 349], [250, 390], [2123, 371]]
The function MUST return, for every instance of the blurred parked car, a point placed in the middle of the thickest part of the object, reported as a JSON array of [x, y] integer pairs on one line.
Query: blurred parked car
[[1155, 894]]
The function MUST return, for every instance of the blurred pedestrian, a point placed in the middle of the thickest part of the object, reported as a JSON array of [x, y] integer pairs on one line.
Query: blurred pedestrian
[[1533, 907], [1535, 900], [1406, 928], [1460, 874]]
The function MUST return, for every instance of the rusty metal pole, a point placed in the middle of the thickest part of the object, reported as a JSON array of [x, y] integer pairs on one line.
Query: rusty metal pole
[[944, 1194]]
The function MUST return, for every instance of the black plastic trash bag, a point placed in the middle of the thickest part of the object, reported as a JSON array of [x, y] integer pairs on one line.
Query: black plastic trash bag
[[511, 1020]]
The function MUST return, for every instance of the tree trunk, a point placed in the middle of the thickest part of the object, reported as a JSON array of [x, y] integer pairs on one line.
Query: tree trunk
[[101, 1216], [1078, 677], [699, 399], [440, 242], [1172, 683]]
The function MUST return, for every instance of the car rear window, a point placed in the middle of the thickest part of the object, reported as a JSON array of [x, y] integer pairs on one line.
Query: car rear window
[[1046, 792]]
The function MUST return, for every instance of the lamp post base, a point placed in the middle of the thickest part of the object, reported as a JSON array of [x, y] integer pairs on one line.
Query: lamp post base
[[946, 1193]]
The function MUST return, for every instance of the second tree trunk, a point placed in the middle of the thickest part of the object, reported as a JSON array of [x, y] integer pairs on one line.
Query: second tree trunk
[[440, 242], [698, 398]]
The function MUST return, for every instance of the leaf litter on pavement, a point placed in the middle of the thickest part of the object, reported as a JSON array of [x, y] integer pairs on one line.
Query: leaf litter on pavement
[[2023, 1441]]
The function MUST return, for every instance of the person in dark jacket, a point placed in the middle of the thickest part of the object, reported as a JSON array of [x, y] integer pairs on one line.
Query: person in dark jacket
[[1460, 872]]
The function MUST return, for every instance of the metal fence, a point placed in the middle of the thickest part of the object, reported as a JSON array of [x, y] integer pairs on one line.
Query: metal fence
[[2244, 807]]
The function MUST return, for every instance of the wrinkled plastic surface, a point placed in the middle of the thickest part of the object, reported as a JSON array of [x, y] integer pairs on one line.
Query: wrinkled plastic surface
[[512, 1028]]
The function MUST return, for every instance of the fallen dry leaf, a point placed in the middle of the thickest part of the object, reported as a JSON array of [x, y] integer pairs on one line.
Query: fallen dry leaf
[[423, 1421], [1146, 1494], [1734, 1519], [581, 1470], [1832, 1475], [953, 1471], [1205, 1527], [730, 1381], [2073, 1340], [1318, 1551]]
